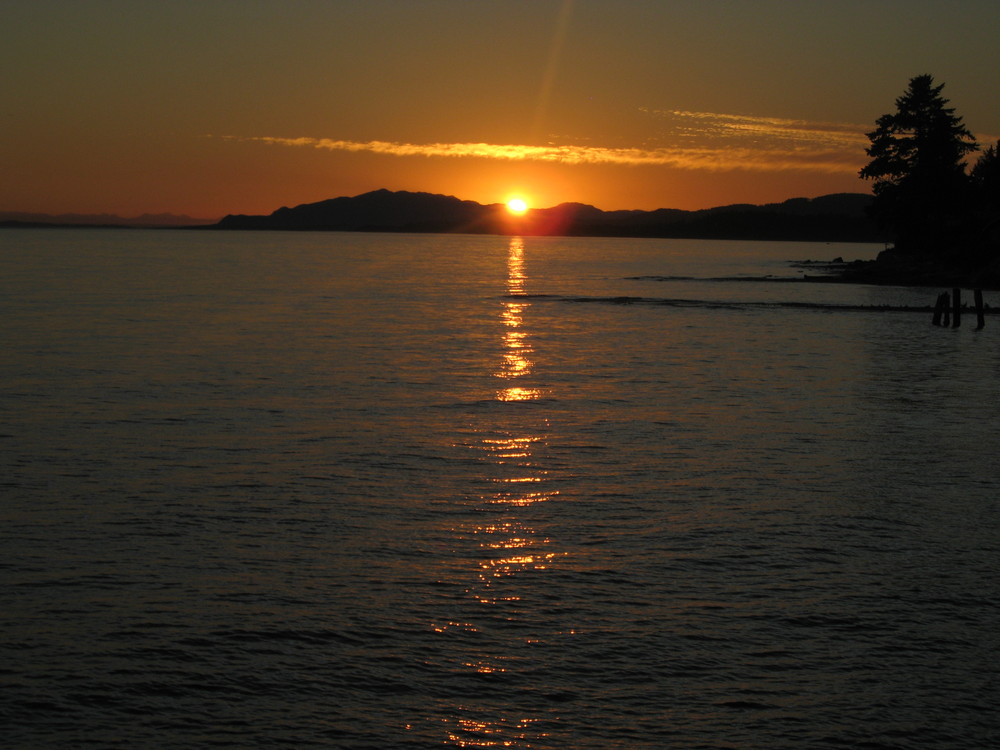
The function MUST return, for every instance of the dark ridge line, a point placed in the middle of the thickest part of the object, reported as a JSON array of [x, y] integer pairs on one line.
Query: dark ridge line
[[841, 217]]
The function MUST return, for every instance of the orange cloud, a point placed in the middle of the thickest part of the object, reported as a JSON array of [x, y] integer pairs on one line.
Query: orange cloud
[[693, 141], [769, 132]]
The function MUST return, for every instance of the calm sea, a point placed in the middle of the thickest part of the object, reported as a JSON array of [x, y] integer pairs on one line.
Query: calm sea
[[400, 491]]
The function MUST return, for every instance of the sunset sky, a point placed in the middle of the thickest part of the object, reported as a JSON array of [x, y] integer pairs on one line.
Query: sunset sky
[[212, 107]]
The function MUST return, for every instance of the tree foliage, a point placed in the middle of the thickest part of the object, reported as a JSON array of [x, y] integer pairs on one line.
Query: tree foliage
[[986, 178], [922, 192]]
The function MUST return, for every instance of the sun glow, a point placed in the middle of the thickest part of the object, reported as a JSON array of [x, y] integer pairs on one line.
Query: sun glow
[[517, 206]]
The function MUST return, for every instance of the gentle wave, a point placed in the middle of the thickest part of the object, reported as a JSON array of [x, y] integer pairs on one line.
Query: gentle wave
[[730, 305]]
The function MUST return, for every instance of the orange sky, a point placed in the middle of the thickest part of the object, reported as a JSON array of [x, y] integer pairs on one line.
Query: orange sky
[[209, 108]]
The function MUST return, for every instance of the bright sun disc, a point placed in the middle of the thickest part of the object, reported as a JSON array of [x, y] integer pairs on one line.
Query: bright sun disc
[[517, 205]]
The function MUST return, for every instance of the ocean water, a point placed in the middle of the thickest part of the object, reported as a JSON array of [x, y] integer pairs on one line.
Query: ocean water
[[423, 491]]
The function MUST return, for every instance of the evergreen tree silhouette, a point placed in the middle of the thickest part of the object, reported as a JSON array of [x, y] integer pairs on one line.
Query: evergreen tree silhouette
[[922, 192]]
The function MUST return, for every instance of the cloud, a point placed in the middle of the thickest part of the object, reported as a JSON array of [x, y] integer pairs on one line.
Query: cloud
[[691, 140], [767, 132]]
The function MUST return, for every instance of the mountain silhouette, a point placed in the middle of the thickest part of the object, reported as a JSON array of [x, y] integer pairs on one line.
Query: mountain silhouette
[[377, 211], [830, 218], [840, 217]]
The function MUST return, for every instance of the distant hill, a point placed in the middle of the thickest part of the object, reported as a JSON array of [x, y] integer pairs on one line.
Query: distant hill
[[21, 218], [378, 211], [831, 218]]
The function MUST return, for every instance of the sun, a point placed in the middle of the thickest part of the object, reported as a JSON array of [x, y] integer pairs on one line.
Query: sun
[[517, 206]]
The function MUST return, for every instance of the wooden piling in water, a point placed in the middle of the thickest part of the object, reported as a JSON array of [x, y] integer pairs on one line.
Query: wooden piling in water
[[945, 309], [980, 311], [956, 308], [940, 309]]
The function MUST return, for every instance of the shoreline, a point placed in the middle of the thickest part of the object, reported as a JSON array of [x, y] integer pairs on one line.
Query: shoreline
[[890, 270]]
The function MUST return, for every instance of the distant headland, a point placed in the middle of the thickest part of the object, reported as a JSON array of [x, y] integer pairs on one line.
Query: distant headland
[[24, 219], [831, 218]]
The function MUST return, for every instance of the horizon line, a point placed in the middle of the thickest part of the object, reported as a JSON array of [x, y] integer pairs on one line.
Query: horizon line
[[9, 215]]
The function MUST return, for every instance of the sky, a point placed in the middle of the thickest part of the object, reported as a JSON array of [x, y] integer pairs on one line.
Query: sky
[[214, 107]]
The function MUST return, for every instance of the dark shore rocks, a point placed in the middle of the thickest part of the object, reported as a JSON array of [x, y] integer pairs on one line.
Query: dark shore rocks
[[896, 269]]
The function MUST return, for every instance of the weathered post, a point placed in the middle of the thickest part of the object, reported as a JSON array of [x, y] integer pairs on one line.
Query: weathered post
[[980, 312], [946, 314], [956, 308], [940, 308]]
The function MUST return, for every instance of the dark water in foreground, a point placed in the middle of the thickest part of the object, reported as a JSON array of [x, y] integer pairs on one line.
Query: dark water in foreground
[[370, 491]]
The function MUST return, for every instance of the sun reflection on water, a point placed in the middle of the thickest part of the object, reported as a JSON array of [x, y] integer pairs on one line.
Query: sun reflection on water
[[503, 733], [509, 447], [508, 545], [518, 394], [517, 348]]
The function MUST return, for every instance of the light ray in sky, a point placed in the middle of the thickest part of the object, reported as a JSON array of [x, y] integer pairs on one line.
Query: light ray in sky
[[551, 67]]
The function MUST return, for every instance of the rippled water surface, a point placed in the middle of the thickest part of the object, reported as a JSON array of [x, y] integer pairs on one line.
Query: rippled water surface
[[397, 491]]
